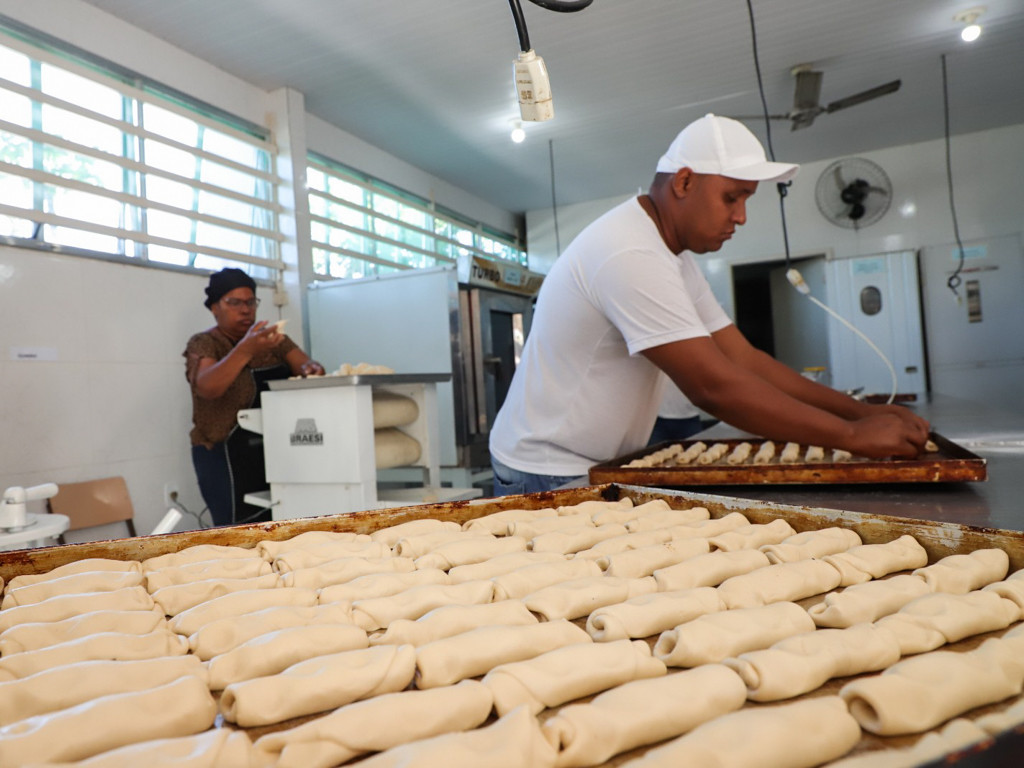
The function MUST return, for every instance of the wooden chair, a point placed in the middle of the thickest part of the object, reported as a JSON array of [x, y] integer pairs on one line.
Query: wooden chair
[[94, 502]]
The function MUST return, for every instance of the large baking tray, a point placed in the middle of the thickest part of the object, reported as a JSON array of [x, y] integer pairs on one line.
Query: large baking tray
[[318, 382], [951, 463], [939, 539]]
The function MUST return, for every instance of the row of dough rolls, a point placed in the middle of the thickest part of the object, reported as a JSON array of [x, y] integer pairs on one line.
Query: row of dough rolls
[[482, 615]]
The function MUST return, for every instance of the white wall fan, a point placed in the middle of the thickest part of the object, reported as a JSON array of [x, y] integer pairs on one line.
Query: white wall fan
[[853, 192], [807, 93]]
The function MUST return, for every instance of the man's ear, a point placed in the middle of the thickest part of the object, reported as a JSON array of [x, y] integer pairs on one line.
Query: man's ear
[[682, 182]]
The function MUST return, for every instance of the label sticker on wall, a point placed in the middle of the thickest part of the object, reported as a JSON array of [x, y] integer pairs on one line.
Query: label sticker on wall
[[973, 301], [34, 354]]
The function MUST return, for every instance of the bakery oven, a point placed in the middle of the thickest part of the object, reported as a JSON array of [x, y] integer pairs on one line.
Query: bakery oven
[[469, 321]]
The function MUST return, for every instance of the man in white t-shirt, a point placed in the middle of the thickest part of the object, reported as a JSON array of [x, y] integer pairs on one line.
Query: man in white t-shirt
[[627, 300]]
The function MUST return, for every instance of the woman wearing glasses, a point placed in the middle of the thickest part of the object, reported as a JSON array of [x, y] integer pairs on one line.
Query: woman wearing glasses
[[227, 366]]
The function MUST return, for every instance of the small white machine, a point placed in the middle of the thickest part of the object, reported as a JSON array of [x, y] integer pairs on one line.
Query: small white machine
[[13, 513], [324, 438]]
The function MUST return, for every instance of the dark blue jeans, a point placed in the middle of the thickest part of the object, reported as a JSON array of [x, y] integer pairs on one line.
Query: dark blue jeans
[[509, 482]]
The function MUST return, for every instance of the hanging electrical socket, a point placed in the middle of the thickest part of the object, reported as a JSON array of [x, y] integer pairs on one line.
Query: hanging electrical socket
[[170, 494]]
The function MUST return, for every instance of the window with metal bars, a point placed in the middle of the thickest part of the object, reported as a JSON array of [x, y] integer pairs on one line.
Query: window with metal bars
[[97, 161], [362, 227]]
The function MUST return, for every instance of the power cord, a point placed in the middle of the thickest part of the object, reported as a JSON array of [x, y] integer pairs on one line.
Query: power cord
[[794, 276], [954, 280], [200, 522]]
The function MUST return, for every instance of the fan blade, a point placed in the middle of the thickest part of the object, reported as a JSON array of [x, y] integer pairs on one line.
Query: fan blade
[[860, 98], [760, 117], [808, 90], [879, 190], [837, 173]]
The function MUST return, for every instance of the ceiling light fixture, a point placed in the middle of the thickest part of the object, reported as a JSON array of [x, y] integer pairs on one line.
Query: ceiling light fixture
[[969, 18], [518, 134]]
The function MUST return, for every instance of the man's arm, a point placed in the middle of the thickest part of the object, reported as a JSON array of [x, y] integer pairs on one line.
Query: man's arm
[[730, 382]]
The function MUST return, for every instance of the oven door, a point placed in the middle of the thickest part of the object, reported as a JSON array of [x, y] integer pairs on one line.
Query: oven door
[[494, 325]]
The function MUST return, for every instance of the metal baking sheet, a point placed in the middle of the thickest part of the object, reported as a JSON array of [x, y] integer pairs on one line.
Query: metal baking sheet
[[951, 463], [938, 539], [315, 382]]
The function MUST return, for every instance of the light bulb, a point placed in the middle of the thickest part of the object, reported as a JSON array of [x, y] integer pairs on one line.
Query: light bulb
[[518, 134], [970, 33]]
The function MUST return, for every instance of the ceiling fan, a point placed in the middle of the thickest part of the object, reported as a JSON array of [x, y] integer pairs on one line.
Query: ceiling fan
[[806, 105]]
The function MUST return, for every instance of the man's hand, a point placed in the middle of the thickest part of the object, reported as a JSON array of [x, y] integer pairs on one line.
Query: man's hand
[[914, 422], [887, 434]]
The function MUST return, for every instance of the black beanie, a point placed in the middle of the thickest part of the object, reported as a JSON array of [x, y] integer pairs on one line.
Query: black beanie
[[226, 281]]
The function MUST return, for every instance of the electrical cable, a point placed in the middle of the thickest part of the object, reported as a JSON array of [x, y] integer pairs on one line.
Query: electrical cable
[[782, 186], [554, 207], [954, 280], [794, 276], [562, 6]]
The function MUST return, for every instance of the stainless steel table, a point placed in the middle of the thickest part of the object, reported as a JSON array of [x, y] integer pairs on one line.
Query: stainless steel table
[[995, 435]]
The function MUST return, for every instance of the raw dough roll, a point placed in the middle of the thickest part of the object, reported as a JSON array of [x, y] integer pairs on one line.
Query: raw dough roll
[[469, 552], [709, 570], [652, 614], [370, 725], [665, 518], [43, 634], [777, 583], [327, 552], [569, 673], [478, 651], [392, 534], [500, 564], [73, 584], [691, 454], [790, 453], [954, 735], [959, 574], [575, 599], [497, 523], [239, 604], [393, 410], [642, 712], [752, 536], [215, 748], [571, 540], [378, 612], [802, 546], [708, 528], [222, 635], [804, 662], [814, 453], [522, 581], [868, 601], [275, 651], [318, 684], [343, 570], [798, 735], [934, 620], [394, 448], [713, 454], [919, 693], [1012, 588], [180, 597], [181, 708], [873, 561], [740, 453], [625, 543], [229, 568], [269, 550], [637, 563], [56, 688], [88, 564], [451, 620], [765, 453], [716, 636], [420, 544], [471, 749], [593, 507], [66, 606], [105, 645], [530, 529], [194, 554], [381, 585]]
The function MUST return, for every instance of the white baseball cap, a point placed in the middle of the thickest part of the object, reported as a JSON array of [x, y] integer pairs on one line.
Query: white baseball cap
[[724, 147]]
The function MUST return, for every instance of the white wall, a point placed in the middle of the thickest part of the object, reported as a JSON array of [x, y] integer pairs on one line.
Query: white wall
[[115, 400]]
